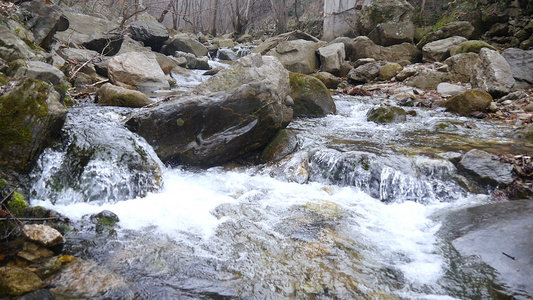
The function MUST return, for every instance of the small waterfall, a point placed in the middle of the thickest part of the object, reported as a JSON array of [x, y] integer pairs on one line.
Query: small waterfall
[[394, 179], [96, 160]]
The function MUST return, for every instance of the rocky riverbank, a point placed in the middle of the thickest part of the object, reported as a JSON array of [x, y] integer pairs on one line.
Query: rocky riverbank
[[52, 59]]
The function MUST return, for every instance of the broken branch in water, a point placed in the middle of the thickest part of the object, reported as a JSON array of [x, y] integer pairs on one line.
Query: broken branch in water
[[508, 255]]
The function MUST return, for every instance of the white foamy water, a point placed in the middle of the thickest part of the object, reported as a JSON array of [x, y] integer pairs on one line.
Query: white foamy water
[[283, 239], [399, 235]]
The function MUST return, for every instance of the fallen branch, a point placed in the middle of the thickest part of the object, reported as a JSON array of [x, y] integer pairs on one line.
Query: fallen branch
[[31, 219]]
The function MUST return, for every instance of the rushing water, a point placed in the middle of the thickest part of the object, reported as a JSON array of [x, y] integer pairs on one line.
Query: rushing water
[[350, 215]]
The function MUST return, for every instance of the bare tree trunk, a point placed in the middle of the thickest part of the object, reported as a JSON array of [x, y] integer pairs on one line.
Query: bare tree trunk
[[214, 19], [165, 12]]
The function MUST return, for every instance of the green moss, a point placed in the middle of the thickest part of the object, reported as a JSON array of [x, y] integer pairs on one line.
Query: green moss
[[443, 126], [32, 46], [18, 108], [3, 183], [443, 21], [17, 205]]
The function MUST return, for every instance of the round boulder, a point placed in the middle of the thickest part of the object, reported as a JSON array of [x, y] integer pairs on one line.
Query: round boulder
[[468, 102], [311, 97]]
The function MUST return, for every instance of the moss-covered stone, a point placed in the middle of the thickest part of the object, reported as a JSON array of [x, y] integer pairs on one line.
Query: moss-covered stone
[[388, 71], [17, 281], [468, 102], [387, 114], [470, 46], [311, 97], [284, 143], [17, 205], [30, 115]]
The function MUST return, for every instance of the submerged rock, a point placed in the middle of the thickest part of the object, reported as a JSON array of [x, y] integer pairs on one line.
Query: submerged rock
[[311, 97], [236, 111], [387, 114], [16, 281], [86, 279]]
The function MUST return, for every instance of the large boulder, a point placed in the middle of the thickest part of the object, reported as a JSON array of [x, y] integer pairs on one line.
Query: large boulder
[[311, 97], [521, 63], [137, 69], [331, 58], [376, 12], [12, 47], [236, 111], [185, 44], [44, 21], [273, 42], [487, 169], [45, 72], [492, 73], [363, 47], [468, 102], [459, 28], [151, 34], [31, 115], [113, 95], [392, 33], [461, 65], [297, 56], [440, 50], [348, 45], [93, 33]]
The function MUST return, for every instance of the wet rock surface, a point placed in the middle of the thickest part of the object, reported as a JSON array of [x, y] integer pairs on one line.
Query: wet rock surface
[[499, 235]]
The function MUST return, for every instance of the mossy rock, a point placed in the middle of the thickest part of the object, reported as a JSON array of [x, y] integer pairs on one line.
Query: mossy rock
[[468, 102], [387, 114], [17, 205], [284, 143], [30, 116], [470, 46], [330, 81], [388, 71], [17, 281], [311, 97]]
